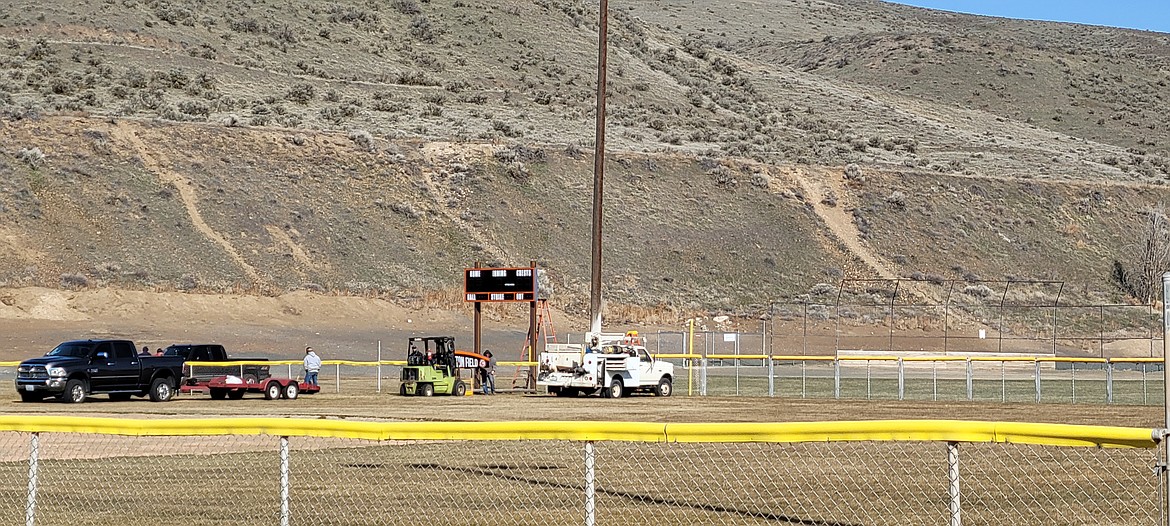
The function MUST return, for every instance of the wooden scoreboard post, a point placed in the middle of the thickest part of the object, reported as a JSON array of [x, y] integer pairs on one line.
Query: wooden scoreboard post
[[504, 285]]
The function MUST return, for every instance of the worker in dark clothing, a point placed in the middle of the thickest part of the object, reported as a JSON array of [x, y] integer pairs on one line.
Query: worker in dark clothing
[[489, 374]]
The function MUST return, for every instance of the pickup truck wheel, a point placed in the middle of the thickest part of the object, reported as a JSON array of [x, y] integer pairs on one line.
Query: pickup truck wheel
[[616, 388], [664, 387], [427, 389], [218, 393], [460, 388], [74, 391], [161, 390], [31, 397], [272, 390], [292, 390]]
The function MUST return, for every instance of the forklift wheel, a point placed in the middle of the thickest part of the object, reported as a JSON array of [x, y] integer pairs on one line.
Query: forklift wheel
[[460, 388], [402, 390], [427, 389]]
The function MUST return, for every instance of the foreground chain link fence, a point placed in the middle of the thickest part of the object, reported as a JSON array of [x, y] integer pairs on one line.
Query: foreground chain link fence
[[80, 471]]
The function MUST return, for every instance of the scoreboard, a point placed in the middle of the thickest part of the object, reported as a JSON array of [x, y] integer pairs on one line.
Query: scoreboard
[[499, 284]]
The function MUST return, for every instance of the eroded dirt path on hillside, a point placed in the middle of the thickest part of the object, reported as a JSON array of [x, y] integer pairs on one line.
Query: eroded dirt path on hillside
[[187, 195], [820, 183]]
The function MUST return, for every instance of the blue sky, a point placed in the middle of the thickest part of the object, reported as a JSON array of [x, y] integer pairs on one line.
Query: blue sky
[[1152, 15]]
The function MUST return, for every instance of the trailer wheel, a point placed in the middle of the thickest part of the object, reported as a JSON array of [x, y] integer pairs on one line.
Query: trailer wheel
[[664, 387], [74, 391], [236, 394], [460, 388], [161, 390], [616, 388], [427, 389], [292, 390], [218, 393], [272, 390]]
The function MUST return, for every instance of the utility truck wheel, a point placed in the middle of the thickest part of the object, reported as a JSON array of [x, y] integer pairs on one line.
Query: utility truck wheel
[[272, 391], [617, 389], [664, 387], [460, 388], [427, 389], [292, 390], [161, 390]]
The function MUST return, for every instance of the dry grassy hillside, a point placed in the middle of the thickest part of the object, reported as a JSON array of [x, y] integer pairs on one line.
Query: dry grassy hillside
[[756, 148]]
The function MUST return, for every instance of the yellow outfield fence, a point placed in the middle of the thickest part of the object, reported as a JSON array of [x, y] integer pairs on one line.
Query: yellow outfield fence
[[288, 471]]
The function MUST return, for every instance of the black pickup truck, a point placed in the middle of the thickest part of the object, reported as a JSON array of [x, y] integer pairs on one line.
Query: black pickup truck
[[211, 352], [74, 370]]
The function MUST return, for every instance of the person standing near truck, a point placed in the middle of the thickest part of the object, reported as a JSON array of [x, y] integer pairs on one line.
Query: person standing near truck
[[312, 365]]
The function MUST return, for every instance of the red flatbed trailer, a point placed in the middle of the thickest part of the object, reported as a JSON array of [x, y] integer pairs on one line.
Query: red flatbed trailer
[[234, 387]]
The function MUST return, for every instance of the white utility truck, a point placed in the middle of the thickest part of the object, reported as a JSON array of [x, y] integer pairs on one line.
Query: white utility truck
[[613, 364]]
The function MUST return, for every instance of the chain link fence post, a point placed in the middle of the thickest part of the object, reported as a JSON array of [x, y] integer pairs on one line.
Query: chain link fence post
[[703, 376], [836, 378], [1003, 381], [1037, 381], [771, 377], [1108, 381], [901, 379], [970, 381], [284, 491], [590, 519], [30, 509], [953, 477]]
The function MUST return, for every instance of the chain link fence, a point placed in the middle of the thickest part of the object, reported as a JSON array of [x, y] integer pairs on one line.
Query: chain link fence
[[287, 472], [1135, 381]]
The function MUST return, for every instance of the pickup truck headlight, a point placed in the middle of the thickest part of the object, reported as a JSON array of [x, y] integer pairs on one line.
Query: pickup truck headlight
[[56, 371]]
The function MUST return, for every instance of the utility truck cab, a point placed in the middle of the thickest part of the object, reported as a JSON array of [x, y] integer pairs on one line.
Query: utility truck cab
[[612, 364]]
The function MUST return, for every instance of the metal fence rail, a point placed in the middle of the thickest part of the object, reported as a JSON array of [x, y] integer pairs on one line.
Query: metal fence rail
[[79, 471]]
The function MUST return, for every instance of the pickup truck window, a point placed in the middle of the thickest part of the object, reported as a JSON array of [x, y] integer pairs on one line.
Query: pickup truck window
[[106, 348], [644, 356], [124, 351], [79, 350]]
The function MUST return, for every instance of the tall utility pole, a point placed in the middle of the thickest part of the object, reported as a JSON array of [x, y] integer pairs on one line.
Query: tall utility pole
[[598, 171]]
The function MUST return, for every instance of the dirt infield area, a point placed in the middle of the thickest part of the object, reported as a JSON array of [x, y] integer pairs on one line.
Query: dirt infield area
[[505, 407]]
